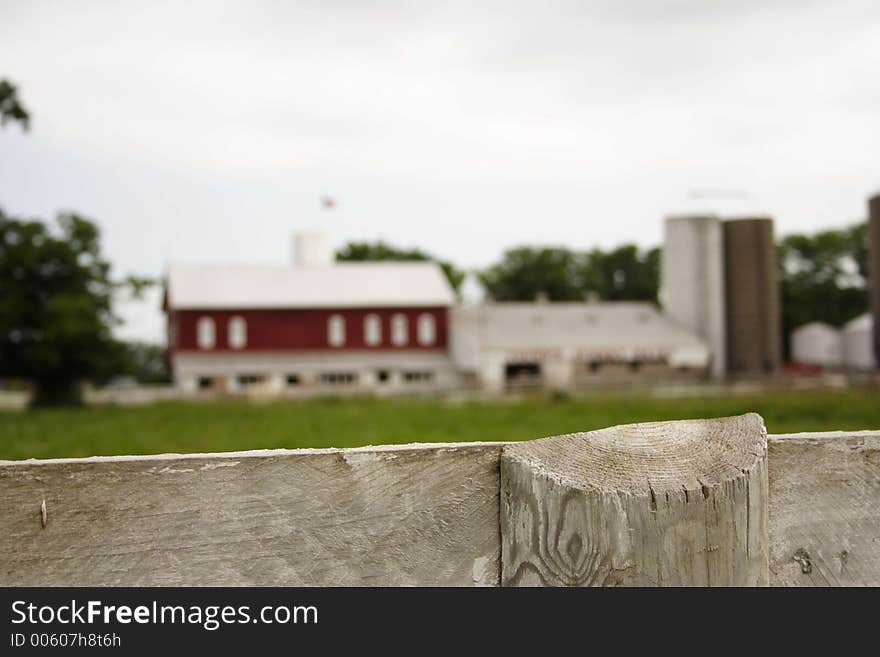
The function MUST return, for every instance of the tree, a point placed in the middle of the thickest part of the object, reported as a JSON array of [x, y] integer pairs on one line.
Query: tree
[[625, 273], [11, 108], [856, 237], [526, 273], [823, 278], [56, 316], [380, 251], [146, 362]]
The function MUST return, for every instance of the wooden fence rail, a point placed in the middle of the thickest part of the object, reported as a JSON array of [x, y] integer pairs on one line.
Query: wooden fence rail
[[700, 502]]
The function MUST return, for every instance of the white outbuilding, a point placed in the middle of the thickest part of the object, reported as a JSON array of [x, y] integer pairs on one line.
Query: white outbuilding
[[817, 343], [564, 345], [858, 350]]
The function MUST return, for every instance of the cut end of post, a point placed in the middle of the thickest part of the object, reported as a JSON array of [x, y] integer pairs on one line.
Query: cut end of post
[[662, 503], [652, 456]]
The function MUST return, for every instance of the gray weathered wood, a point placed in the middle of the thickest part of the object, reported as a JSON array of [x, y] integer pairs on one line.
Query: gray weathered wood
[[429, 514], [657, 504], [825, 509], [404, 515]]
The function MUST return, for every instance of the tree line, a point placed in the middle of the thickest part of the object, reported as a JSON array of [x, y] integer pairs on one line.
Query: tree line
[[823, 277], [555, 273]]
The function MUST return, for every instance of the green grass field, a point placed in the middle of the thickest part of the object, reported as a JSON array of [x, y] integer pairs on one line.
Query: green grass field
[[238, 425]]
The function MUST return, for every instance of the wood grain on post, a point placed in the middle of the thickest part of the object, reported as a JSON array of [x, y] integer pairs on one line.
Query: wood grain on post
[[658, 504], [372, 516]]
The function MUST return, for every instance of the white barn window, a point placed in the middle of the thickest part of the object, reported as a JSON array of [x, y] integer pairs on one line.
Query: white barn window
[[237, 332], [205, 333], [399, 330], [427, 329], [372, 330], [336, 330]]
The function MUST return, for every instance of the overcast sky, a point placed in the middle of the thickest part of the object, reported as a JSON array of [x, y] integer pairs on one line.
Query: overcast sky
[[207, 132]]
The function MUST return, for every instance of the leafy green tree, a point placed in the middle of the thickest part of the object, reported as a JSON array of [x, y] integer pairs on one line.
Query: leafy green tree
[[379, 251], [856, 237], [11, 108], [525, 273], [146, 362], [823, 278], [625, 273], [56, 316]]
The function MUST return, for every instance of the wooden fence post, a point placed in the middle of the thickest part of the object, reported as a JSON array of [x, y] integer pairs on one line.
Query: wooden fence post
[[658, 504]]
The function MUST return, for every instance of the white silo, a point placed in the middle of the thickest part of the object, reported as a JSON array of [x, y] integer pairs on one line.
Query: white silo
[[472, 291], [858, 348], [312, 250], [817, 343], [692, 280]]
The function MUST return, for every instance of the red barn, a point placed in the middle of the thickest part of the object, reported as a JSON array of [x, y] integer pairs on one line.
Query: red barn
[[368, 325]]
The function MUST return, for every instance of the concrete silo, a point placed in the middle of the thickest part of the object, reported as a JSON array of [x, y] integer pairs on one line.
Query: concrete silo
[[692, 280], [753, 317], [874, 268]]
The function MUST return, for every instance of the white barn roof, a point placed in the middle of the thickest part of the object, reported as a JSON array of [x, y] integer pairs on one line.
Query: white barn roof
[[616, 326], [341, 285]]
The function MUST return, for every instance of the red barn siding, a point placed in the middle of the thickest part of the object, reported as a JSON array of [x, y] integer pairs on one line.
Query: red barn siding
[[277, 330]]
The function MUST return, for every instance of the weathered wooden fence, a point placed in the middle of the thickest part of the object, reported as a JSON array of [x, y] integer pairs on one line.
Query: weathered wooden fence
[[702, 502]]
